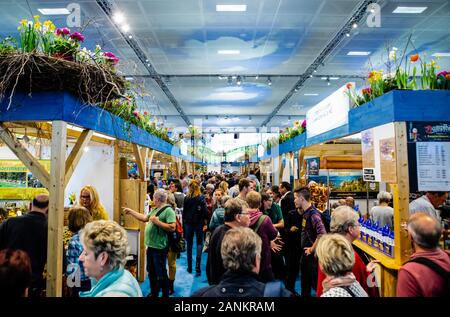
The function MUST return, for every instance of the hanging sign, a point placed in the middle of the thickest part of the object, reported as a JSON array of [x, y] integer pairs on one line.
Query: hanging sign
[[330, 113]]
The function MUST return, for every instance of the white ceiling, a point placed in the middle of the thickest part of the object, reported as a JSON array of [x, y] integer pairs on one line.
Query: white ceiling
[[274, 37]]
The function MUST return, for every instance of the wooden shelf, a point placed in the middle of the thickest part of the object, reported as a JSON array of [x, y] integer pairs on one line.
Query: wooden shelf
[[385, 260]]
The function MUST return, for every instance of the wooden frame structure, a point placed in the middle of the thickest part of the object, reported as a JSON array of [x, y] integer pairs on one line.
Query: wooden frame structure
[[397, 107], [61, 109]]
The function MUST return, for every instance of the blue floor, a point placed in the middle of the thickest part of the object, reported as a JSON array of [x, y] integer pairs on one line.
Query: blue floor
[[187, 283]]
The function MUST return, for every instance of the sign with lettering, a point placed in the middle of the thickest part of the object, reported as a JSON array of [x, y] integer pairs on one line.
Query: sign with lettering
[[330, 113]]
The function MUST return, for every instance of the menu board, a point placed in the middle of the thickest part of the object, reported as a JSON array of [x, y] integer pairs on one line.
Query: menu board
[[433, 166]]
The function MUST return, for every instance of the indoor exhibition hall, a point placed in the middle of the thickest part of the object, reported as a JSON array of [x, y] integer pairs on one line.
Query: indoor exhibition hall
[[235, 150]]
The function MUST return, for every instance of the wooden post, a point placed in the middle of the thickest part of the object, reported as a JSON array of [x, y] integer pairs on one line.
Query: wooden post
[[402, 246], [116, 200], [76, 153], [150, 160], [140, 164], [25, 156], [56, 209]]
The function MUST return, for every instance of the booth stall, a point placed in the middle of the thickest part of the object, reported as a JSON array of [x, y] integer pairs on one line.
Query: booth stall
[[64, 120], [404, 149]]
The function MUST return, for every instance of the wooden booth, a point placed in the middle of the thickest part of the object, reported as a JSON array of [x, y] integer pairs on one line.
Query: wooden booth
[[53, 116], [405, 145]]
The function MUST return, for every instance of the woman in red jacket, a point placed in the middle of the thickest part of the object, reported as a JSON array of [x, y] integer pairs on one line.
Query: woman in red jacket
[[344, 220]]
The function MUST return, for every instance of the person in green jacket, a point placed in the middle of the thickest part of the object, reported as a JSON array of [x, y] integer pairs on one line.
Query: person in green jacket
[[105, 248]]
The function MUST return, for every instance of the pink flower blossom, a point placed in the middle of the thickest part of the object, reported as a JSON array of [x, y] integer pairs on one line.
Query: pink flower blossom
[[111, 57], [304, 124], [135, 113], [76, 36], [63, 31], [367, 91]]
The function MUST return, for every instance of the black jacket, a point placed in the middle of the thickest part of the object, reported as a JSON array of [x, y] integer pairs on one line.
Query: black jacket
[[28, 233], [237, 284], [293, 239], [287, 204], [194, 210], [214, 264]]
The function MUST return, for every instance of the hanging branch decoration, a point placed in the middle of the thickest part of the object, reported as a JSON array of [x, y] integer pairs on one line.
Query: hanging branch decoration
[[47, 58]]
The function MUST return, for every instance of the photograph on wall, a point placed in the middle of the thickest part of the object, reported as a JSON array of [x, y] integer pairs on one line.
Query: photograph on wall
[[313, 166], [388, 162], [344, 184]]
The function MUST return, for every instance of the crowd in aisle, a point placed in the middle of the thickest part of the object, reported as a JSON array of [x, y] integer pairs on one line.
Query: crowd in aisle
[[259, 241]]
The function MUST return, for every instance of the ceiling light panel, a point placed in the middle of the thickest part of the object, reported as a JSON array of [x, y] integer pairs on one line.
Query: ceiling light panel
[[231, 7]]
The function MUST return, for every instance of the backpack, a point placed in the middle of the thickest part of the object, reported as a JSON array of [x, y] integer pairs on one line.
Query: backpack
[[176, 240], [258, 224], [438, 269]]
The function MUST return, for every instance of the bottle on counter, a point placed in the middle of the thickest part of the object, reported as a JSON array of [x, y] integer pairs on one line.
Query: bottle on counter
[[122, 219]]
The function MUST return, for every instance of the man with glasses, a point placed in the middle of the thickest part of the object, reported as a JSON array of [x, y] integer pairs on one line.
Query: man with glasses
[[236, 215]]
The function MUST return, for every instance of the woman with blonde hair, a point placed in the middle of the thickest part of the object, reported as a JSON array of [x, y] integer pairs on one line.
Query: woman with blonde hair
[[90, 200], [223, 186], [105, 248], [195, 216], [336, 260], [78, 218]]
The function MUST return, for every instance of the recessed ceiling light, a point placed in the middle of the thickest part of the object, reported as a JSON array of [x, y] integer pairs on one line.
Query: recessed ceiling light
[[310, 94], [229, 52], [54, 11], [231, 7], [331, 78], [410, 10], [358, 53], [118, 17], [441, 55]]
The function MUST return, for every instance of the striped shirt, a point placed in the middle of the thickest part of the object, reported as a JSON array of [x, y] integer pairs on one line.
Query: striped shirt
[[73, 253]]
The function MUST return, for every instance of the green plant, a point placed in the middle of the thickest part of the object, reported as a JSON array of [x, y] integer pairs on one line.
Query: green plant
[[29, 34], [8, 46]]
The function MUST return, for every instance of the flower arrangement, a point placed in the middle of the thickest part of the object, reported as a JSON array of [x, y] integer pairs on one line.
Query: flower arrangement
[[49, 58], [287, 134], [405, 76]]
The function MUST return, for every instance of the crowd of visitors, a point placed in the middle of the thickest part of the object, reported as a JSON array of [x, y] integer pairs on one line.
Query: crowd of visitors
[[259, 241]]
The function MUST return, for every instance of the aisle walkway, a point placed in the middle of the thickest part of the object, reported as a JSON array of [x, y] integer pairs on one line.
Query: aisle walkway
[[186, 283]]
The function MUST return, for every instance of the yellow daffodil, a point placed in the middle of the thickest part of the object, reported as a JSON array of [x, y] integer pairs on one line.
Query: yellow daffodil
[[37, 25], [375, 76], [49, 26], [433, 62], [36, 17], [24, 22]]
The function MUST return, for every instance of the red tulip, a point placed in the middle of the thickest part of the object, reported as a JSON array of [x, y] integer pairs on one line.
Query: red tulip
[[414, 58]]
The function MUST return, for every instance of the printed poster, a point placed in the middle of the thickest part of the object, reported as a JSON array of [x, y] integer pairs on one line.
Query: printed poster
[[388, 163], [433, 166]]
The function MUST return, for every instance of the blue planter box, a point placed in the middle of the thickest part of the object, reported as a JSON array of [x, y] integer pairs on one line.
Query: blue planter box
[[395, 106], [50, 106], [400, 106]]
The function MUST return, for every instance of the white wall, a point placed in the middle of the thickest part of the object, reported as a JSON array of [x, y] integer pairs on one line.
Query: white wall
[[95, 168]]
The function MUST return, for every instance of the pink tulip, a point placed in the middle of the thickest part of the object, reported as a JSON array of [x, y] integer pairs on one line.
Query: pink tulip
[[77, 37]]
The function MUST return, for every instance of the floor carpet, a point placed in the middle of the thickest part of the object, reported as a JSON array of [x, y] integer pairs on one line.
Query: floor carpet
[[187, 283]]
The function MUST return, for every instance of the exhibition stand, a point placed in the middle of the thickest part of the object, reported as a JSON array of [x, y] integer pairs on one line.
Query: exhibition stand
[[58, 115], [405, 145]]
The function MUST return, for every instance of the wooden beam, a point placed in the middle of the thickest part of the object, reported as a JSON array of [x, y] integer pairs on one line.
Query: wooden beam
[[116, 200], [25, 156], [401, 195], [56, 210], [76, 153], [138, 157]]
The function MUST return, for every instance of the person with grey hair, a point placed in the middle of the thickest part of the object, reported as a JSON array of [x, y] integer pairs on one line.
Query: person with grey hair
[[105, 248], [426, 274], [160, 221], [241, 256], [383, 214], [344, 221], [218, 214], [336, 260]]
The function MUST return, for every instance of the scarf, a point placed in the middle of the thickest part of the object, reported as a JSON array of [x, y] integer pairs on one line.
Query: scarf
[[103, 283], [337, 281]]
